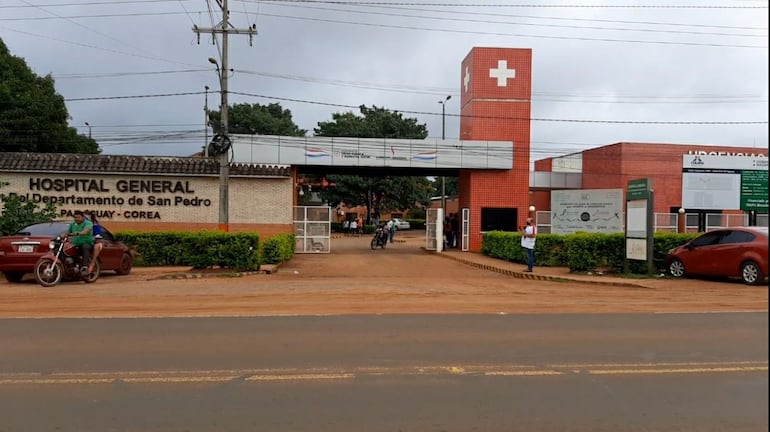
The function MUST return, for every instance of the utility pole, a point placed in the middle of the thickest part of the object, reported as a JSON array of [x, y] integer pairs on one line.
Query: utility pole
[[224, 28]]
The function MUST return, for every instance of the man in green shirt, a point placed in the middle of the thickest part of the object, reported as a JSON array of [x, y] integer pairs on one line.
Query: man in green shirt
[[81, 232]]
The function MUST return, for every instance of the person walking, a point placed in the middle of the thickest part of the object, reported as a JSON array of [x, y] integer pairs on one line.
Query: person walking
[[528, 236]]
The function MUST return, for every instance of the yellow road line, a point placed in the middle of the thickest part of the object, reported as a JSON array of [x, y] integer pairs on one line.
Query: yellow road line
[[308, 374]]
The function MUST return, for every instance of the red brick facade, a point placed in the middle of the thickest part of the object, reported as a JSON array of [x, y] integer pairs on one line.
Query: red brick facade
[[612, 166], [496, 109]]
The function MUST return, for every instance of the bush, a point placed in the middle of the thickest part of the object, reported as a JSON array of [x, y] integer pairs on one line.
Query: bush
[[278, 249], [199, 249], [580, 251]]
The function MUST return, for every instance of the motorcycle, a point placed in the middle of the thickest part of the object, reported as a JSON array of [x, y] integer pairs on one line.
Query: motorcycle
[[63, 262], [380, 238]]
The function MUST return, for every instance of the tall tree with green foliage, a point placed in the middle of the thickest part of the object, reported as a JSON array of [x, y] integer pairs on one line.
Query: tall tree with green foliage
[[16, 212], [256, 119], [33, 117], [379, 193]]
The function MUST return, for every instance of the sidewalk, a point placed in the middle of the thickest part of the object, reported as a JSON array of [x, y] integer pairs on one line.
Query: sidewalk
[[562, 274]]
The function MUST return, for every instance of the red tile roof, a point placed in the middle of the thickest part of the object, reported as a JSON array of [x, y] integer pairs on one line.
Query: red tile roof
[[109, 164]]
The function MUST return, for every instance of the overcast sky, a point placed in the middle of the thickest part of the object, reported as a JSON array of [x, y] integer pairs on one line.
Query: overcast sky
[[669, 61]]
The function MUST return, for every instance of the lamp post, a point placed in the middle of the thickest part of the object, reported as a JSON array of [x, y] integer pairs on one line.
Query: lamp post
[[443, 137], [89, 130], [206, 122]]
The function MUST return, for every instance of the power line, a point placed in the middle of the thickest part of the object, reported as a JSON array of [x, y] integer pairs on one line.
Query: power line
[[534, 6], [379, 13], [638, 122], [406, 88], [591, 39]]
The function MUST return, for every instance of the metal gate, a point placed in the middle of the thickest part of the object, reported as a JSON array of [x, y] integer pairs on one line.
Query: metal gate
[[434, 229], [465, 227], [312, 229]]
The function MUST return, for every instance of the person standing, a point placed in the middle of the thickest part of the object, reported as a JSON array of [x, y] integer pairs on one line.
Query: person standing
[[528, 236], [391, 230], [454, 221]]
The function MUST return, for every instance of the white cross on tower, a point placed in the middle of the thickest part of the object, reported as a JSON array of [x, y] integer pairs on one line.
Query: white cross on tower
[[467, 78], [502, 73]]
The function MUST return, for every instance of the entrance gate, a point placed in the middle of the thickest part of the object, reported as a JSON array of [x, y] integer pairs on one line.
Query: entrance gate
[[434, 229], [465, 228], [312, 229]]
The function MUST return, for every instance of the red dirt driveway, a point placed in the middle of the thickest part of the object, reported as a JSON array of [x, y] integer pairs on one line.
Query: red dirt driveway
[[353, 279]]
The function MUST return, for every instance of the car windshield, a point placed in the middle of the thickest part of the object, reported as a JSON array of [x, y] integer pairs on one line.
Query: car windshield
[[48, 229]]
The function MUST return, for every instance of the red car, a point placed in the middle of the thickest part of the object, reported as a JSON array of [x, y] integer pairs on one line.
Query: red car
[[739, 252], [19, 252]]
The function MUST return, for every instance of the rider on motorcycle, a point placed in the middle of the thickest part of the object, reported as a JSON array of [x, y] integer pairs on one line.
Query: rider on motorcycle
[[81, 233]]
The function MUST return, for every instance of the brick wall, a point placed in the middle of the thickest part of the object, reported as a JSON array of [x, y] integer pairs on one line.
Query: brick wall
[[183, 202]]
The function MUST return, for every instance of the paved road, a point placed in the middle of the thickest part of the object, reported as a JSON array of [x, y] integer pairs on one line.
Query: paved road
[[664, 372]]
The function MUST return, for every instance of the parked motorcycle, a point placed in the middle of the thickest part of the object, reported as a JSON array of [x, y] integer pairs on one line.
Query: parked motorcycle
[[63, 262], [380, 237]]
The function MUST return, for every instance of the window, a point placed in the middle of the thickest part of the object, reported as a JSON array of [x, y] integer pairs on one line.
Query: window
[[707, 239], [737, 237], [501, 219]]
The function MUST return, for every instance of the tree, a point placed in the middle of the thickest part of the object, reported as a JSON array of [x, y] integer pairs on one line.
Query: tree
[[33, 117], [450, 186], [257, 119], [382, 193], [375, 123], [18, 213]]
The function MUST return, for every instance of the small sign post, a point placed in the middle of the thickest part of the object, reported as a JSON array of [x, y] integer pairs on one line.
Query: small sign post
[[639, 223]]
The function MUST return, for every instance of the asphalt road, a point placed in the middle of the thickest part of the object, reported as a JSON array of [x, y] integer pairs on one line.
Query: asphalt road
[[637, 372]]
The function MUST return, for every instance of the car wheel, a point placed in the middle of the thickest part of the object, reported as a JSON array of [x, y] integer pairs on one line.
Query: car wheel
[[676, 268], [126, 263], [751, 274], [13, 277]]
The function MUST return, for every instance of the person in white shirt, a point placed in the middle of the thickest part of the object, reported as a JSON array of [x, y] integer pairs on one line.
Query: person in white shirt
[[354, 227], [528, 236]]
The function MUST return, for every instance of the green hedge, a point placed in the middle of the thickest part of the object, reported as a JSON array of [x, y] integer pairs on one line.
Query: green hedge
[[278, 249], [203, 249], [580, 251]]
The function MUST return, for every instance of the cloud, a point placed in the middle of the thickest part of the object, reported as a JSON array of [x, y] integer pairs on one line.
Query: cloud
[[318, 59]]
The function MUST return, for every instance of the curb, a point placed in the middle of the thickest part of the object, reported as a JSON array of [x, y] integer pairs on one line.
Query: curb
[[268, 269], [522, 275]]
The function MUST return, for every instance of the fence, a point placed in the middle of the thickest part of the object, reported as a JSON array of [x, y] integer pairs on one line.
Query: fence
[[669, 222]]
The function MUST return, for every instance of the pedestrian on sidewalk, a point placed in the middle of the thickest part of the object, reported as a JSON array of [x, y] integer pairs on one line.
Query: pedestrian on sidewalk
[[528, 236]]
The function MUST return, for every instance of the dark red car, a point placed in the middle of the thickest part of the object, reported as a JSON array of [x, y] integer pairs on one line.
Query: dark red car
[[739, 252], [19, 252]]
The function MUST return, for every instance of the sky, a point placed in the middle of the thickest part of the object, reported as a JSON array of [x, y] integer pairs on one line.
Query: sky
[[135, 71]]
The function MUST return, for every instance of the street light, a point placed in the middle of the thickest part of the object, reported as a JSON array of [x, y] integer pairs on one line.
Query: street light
[[443, 137], [89, 130]]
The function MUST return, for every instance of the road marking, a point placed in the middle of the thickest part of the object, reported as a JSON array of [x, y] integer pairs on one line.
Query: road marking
[[301, 377], [317, 374]]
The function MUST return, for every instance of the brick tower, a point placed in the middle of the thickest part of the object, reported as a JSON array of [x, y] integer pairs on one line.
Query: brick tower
[[496, 92]]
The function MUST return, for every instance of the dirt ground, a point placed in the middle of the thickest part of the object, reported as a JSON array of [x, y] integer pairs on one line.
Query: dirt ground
[[354, 279]]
